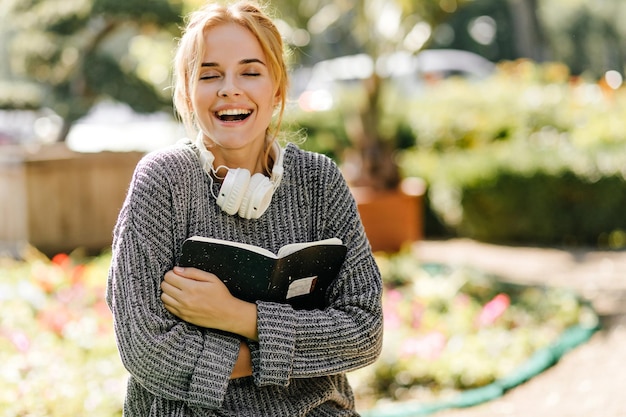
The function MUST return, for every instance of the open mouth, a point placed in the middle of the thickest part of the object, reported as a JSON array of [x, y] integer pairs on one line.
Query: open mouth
[[233, 115]]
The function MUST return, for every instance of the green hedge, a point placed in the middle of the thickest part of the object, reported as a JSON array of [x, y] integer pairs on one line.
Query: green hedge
[[516, 193], [545, 209]]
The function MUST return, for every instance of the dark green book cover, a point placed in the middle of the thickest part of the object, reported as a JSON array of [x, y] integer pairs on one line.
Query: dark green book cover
[[299, 274]]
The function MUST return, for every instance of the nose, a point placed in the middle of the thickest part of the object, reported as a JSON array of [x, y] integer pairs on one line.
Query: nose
[[229, 88]]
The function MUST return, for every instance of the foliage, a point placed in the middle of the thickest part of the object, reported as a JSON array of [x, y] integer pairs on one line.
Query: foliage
[[56, 342], [323, 29], [80, 51], [485, 27], [587, 37], [531, 155], [448, 330], [321, 132]]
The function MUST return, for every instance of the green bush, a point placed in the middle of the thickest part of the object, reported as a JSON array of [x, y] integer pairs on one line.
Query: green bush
[[516, 193], [520, 101], [545, 209]]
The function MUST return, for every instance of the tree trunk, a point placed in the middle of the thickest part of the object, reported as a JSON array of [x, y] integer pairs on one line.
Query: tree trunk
[[370, 162], [529, 34]]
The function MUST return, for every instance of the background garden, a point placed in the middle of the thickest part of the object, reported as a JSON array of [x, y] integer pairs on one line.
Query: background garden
[[520, 143]]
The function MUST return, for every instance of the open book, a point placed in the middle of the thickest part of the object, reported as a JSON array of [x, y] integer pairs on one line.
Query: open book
[[299, 274]]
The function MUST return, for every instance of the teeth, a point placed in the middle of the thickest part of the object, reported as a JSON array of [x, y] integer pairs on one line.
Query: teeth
[[233, 112]]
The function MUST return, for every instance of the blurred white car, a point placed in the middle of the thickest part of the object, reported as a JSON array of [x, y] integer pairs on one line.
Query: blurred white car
[[329, 78]]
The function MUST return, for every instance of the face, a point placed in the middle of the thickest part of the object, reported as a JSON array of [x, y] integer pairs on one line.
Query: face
[[235, 96]]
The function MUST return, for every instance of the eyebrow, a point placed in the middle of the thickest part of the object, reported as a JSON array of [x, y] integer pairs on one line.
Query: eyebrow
[[242, 62]]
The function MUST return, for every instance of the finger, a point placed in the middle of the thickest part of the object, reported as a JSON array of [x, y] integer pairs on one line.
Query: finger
[[172, 278], [181, 282], [172, 310], [170, 289], [193, 273], [169, 302]]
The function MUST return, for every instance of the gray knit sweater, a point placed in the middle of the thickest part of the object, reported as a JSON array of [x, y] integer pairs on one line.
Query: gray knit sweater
[[300, 359]]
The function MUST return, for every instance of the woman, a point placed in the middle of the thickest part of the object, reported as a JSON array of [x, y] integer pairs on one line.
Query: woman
[[191, 348]]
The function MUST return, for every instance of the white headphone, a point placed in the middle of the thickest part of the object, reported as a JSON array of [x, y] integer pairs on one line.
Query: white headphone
[[248, 196]]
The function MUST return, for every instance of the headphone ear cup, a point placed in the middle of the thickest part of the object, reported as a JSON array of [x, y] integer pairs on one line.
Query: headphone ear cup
[[233, 189], [257, 197]]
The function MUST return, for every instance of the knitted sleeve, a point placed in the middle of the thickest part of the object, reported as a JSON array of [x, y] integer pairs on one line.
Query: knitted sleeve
[[170, 358], [346, 335]]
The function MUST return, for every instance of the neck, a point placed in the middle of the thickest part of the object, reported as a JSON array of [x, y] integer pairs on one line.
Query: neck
[[251, 158]]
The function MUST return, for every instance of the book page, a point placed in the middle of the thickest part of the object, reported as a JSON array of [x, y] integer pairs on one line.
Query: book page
[[294, 247], [245, 246]]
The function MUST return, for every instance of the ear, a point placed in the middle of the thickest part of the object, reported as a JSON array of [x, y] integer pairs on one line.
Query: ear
[[277, 98]]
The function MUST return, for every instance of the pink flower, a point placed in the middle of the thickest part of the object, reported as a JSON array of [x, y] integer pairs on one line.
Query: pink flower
[[394, 296], [430, 346], [417, 311], [19, 339], [493, 310], [56, 318], [391, 315], [462, 301]]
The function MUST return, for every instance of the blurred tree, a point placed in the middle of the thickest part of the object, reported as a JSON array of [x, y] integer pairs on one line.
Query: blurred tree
[[80, 51], [483, 27], [15, 92], [340, 27], [590, 37], [528, 30]]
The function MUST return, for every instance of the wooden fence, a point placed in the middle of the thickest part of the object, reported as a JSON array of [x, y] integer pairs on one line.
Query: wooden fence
[[58, 200]]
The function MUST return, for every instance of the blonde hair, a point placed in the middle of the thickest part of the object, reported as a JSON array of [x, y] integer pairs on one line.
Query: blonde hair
[[191, 48]]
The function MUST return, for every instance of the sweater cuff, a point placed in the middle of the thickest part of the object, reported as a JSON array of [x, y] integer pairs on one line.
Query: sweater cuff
[[213, 368], [273, 360]]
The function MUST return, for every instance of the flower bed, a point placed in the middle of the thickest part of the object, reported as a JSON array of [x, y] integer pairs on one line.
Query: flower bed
[[458, 337], [453, 337], [57, 349]]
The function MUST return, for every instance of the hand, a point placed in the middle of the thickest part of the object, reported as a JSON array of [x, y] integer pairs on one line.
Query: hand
[[202, 299]]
